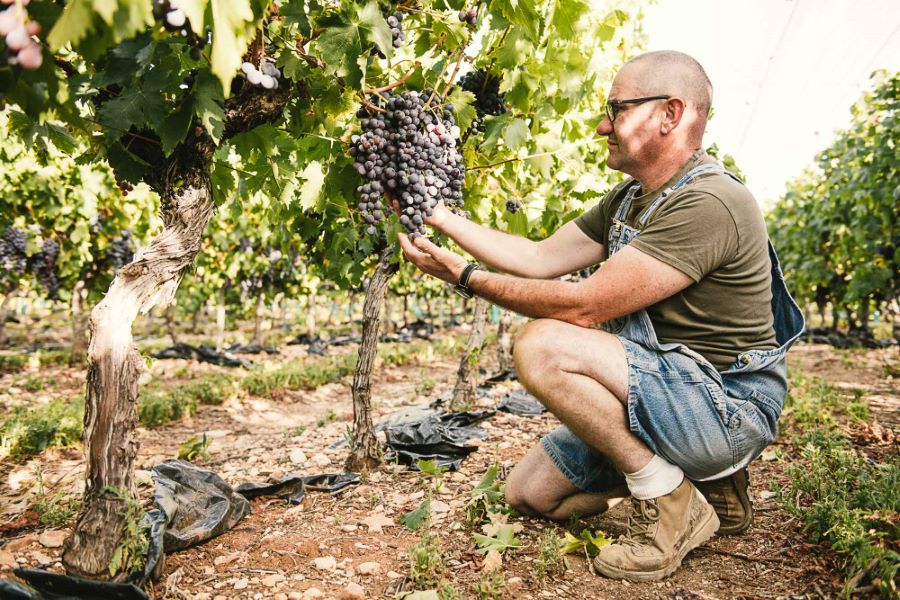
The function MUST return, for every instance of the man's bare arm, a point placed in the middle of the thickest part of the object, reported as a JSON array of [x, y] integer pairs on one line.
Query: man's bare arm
[[567, 250], [627, 282]]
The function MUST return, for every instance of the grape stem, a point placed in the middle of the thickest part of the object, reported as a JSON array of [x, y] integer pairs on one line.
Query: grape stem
[[439, 79], [538, 155], [455, 71], [397, 83], [368, 104]]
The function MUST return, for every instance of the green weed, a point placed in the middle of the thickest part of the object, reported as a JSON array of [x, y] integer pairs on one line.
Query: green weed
[[194, 448], [211, 390], [487, 497], [306, 375], [329, 416], [130, 555], [157, 407], [55, 511], [850, 501], [33, 384], [427, 570], [549, 561], [28, 432]]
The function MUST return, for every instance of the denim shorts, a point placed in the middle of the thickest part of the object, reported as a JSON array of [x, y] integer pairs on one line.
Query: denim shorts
[[708, 424]]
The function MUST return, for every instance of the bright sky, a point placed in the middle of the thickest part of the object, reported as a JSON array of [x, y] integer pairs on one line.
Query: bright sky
[[785, 72]]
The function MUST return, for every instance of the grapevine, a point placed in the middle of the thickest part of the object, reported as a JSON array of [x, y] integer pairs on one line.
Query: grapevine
[[407, 151]]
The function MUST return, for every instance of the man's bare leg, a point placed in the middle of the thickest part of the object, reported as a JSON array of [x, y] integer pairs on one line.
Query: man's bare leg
[[581, 376], [536, 487]]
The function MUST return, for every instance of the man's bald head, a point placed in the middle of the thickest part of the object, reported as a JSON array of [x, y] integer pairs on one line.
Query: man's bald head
[[676, 74]]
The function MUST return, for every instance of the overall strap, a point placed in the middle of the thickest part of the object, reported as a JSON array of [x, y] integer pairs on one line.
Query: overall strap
[[686, 179]]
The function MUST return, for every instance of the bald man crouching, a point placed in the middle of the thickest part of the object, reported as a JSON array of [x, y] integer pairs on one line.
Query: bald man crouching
[[682, 386]]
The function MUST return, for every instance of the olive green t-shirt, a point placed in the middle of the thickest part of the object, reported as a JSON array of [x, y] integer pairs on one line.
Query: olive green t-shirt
[[713, 231]]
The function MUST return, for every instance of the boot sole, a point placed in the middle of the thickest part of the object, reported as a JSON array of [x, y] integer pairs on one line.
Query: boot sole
[[704, 533]]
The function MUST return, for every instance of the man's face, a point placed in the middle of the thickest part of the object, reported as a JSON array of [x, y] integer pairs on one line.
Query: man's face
[[633, 135]]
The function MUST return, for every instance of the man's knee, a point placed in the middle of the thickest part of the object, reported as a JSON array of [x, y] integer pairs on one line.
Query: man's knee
[[534, 344]]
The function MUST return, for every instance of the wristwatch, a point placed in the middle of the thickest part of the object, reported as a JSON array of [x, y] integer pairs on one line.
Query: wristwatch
[[462, 286]]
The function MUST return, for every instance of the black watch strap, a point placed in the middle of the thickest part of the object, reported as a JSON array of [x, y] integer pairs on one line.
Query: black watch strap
[[462, 287]]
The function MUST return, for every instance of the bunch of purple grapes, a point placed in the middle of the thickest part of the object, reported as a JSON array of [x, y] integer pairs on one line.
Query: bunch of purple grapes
[[488, 99], [513, 206], [468, 16], [15, 260], [407, 149]]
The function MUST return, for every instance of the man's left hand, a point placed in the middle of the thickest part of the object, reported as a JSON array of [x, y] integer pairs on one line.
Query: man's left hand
[[432, 259]]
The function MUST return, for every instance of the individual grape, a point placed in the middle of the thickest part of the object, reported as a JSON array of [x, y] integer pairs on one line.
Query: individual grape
[[513, 206], [247, 67], [409, 151]]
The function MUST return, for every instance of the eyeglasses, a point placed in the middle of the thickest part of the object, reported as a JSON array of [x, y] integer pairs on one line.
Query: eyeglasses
[[614, 106]]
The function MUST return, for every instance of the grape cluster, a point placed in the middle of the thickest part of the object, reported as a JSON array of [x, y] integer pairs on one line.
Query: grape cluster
[[395, 22], [174, 19], [12, 251], [513, 206], [43, 266], [407, 149], [16, 262], [488, 100], [123, 186], [120, 251], [21, 48], [266, 75], [469, 16]]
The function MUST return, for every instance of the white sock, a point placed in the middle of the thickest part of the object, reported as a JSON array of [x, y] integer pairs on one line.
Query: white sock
[[657, 478]]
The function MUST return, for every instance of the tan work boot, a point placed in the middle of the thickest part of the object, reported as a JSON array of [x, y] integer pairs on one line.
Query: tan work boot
[[730, 497], [661, 531]]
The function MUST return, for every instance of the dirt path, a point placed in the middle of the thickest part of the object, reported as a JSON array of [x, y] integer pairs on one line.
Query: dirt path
[[273, 552]]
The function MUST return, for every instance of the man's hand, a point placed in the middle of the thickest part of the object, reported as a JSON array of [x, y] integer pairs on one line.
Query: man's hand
[[432, 259], [438, 215]]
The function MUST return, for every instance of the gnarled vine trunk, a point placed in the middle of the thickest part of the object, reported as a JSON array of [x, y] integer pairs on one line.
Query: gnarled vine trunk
[[114, 366], [365, 450], [464, 392]]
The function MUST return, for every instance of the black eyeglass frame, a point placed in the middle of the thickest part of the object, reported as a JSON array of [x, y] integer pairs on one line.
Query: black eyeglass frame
[[613, 106]]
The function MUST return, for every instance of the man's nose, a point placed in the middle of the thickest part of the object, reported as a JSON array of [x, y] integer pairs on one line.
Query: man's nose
[[605, 126]]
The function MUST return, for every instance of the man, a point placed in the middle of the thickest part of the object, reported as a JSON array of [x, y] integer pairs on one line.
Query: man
[[688, 378]]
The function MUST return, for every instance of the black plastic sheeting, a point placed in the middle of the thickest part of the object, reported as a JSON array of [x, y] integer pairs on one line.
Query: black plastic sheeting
[[438, 437], [44, 585], [202, 353], [198, 504], [194, 505], [520, 402], [251, 349], [507, 375], [293, 488]]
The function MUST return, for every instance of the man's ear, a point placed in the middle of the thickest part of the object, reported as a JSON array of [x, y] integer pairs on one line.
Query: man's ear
[[674, 112]]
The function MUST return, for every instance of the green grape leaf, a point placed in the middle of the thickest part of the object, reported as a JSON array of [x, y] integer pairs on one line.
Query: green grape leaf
[[207, 96], [311, 190], [233, 25], [519, 12], [340, 47], [516, 134], [373, 24], [195, 11], [463, 108], [174, 128], [73, 25], [294, 13], [493, 127], [566, 14], [414, 519], [133, 107]]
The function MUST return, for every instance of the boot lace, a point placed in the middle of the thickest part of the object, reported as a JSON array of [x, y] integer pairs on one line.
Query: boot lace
[[644, 514]]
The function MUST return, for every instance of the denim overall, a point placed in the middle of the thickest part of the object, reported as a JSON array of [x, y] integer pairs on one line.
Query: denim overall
[[750, 393]]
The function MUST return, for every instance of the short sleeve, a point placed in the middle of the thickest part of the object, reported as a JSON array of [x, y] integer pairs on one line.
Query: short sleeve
[[693, 232], [592, 223]]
